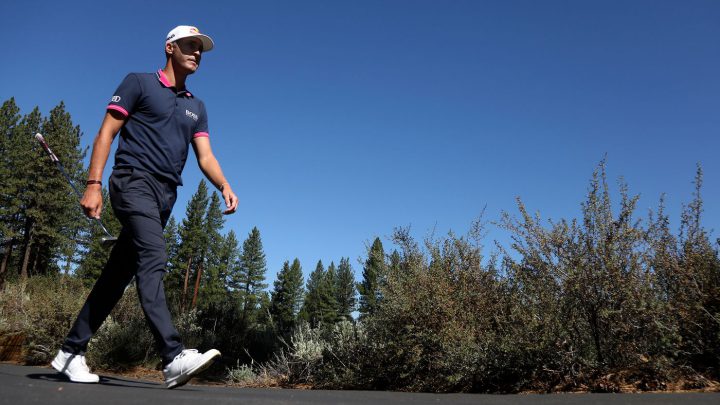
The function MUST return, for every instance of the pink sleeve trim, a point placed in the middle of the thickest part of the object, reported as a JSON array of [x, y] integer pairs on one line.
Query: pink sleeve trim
[[201, 135], [118, 108]]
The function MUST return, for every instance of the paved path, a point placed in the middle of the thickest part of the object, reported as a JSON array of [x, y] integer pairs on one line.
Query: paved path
[[28, 385]]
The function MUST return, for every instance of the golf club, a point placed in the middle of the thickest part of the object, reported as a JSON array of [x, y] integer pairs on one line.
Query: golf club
[[108, 239]]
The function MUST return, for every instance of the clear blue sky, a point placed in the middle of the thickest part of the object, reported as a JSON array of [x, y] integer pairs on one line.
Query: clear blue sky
[[337, 121]]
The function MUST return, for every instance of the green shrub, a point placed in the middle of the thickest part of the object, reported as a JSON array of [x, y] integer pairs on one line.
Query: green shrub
[[437, 326], [344, 350], [42, 308], [241, 375]]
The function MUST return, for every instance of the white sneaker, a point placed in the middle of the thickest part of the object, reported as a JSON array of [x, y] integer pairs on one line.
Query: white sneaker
[[75, 367], [186, 365]]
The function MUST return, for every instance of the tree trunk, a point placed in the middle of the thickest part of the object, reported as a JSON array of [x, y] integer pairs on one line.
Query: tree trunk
[[5, 261], [245, 303], [26, 248], [26, 260], [197, 286], [595, 327], [35, 261], [183, 299]]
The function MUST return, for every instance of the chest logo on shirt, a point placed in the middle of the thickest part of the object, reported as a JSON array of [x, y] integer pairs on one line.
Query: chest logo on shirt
[[191, 115], [115, 99]]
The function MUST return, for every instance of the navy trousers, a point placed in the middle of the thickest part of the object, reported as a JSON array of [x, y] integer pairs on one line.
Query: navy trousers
[[143, 204]]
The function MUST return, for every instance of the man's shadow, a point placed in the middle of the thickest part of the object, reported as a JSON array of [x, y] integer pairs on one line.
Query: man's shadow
[[104, 380]]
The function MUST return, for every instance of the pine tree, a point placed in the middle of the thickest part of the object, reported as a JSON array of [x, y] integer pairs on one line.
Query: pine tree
[[176, 266], [219, 314], [286, 297], [10, 229], [319, 305], [193, 243], [172, 244], [330, 280], [310, 310], [215, 288], [53, 216], [395, 264], [345, 289], [208, 279], [248, 276], [67, 222], [230, 255], [35, 186], [373, 270]]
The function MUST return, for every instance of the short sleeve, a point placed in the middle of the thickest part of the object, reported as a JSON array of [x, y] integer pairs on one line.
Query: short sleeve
[[126, 95], [201, 129]]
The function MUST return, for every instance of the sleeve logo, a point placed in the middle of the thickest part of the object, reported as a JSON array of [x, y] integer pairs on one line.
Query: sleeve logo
[[115, 99]]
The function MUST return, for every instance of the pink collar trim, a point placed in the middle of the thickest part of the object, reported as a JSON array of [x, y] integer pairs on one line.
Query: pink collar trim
[[165, 82], [163, 79]]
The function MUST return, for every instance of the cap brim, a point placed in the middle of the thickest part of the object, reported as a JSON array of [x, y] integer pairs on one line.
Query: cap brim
[[207, 42]]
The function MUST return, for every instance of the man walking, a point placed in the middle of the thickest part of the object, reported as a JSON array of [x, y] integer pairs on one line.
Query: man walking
[[158, 118]]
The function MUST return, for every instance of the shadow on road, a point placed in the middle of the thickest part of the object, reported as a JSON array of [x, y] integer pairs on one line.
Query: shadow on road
[[110, 381]]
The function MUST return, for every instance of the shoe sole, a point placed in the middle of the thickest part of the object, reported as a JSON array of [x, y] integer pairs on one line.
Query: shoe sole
[[61, 369], [208, 359]]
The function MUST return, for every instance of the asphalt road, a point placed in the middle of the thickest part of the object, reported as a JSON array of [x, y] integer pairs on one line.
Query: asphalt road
[[29, 385]]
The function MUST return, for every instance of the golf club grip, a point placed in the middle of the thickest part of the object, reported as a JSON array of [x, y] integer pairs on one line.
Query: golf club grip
[[45, 146]]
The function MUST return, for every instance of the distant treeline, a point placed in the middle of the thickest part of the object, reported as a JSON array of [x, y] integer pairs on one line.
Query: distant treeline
[[598, 303]]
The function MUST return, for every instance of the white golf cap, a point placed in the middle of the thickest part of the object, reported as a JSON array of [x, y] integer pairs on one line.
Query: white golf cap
[[184, 31]]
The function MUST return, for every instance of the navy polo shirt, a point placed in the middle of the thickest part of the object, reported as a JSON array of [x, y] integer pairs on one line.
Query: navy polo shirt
[[161, 122]]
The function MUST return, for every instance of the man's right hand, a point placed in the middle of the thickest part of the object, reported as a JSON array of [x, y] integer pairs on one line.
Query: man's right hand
[[92, 201]]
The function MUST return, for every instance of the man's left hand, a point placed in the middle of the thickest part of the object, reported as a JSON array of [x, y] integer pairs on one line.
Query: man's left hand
[[231, 200]]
